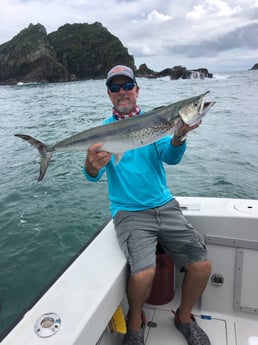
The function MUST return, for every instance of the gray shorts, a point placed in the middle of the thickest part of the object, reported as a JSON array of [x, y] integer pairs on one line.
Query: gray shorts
[[138, 233]]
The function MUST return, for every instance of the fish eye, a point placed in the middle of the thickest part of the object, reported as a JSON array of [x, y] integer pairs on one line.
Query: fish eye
[[195, 103]]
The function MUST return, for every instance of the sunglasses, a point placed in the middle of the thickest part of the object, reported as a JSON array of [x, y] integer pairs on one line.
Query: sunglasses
[[126, 87]]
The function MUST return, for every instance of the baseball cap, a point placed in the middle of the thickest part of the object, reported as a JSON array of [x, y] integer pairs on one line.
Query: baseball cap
[[120, 70]]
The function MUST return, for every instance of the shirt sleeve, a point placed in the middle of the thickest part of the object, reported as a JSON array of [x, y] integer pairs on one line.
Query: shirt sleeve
[[91, 178], [169, 153]]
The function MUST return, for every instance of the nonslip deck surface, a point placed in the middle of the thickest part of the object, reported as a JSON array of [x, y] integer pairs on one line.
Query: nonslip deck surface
[[165, 332], [221, 329]]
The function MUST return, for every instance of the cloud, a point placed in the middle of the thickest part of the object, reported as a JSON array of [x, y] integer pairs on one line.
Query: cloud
[[217, 7], [148, 28], [244, 37], [157, 17]]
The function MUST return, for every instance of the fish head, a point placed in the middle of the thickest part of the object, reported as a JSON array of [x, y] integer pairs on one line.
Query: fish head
[[195, 108]]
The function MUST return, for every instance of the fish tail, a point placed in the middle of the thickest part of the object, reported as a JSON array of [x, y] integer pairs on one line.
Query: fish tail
[[44, 151]]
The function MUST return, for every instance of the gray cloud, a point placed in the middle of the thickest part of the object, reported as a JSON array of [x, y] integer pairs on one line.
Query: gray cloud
[[244, 37], [189, 29]]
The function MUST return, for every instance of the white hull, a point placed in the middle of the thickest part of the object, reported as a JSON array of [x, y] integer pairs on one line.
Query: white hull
[[88, 292]]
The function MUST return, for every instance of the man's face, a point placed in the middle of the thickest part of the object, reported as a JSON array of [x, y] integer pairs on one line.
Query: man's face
[[123, 101]]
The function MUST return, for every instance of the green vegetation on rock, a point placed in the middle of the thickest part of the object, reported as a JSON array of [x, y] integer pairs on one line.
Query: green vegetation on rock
[[73, 52]]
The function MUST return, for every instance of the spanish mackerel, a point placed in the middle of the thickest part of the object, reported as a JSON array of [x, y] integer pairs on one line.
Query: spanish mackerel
[[132, 133]]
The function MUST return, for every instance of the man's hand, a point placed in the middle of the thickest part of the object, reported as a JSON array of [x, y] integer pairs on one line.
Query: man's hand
[[184, 129], [96, 159], [180, 134]]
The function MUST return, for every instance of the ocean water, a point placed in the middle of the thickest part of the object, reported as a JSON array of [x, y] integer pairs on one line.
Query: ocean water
[[43, 225]]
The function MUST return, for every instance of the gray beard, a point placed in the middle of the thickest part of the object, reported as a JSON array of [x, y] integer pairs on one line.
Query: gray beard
[[124, 110]]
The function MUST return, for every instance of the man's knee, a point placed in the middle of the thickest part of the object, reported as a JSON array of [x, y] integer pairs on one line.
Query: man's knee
[[140, 284], [199, 268], [146, 275]]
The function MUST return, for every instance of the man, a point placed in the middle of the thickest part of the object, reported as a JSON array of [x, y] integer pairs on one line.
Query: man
[[145, 212]]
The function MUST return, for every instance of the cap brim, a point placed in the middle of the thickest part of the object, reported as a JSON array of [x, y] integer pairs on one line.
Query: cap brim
[[119, 75]]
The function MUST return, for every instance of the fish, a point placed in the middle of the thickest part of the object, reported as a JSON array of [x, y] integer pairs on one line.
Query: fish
[[127, 134]]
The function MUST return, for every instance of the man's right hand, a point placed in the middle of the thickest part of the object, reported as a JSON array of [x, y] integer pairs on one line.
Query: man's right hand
[[95, 159]]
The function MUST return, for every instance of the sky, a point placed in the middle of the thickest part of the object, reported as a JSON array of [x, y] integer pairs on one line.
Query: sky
[[215, 34]]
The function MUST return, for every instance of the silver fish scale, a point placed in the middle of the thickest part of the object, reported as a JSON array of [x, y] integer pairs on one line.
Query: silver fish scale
[[145, 134]]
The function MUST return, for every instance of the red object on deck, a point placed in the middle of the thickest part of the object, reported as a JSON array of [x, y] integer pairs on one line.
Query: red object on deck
[[163, 285]]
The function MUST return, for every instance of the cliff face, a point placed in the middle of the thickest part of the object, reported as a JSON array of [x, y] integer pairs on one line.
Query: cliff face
[[29, 57], [73, 52], [88, 51]]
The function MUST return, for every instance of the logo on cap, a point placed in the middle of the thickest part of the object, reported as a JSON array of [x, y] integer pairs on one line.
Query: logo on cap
[[119, 69]]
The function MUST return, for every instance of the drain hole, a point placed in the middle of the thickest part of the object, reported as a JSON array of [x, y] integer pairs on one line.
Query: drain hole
[[47, 322]]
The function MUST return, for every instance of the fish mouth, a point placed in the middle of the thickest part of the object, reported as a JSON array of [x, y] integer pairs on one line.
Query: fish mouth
[[196, 109], [206, 106]]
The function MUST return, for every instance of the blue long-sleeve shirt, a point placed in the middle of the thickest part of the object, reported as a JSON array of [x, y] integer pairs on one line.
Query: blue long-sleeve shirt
[[138, 181]]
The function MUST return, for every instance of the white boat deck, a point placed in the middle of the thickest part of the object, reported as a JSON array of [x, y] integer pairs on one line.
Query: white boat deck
[[166, 334], [221, 329]]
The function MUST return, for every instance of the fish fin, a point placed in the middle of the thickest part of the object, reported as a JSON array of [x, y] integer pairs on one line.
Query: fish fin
[[118, 157], [44, 152]]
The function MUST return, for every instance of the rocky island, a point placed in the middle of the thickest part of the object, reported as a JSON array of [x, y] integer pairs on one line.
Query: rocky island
[[255, 66], [73, 52], [177, 72]]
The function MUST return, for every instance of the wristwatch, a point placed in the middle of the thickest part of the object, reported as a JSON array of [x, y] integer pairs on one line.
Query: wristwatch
[[180, 138]]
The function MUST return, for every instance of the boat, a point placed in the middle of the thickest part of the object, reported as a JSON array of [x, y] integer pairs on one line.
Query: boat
[[78, 307]]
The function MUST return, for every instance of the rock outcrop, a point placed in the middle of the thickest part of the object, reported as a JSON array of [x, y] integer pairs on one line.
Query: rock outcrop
[[29, 57], [177, 72], [88, 50], [255, 66], [73, 52]]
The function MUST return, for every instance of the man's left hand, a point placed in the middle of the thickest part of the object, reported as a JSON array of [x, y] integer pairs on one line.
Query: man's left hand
[[184, 129]]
